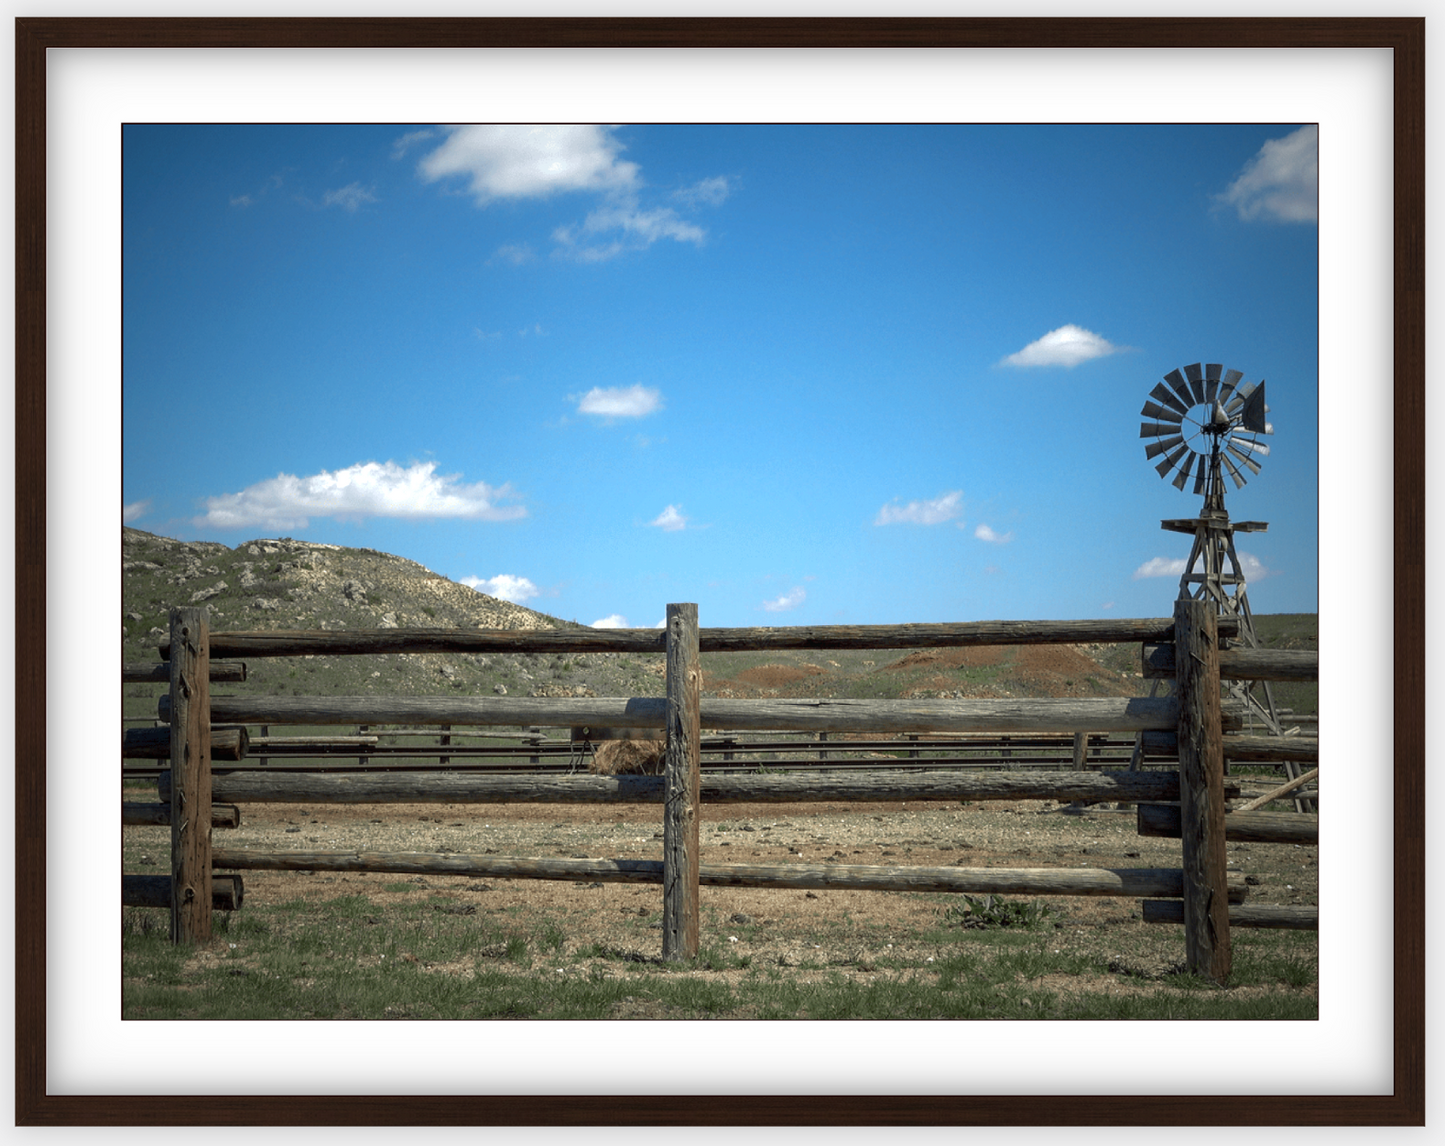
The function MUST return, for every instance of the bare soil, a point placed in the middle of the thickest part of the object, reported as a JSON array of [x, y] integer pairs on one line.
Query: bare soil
[[836, 930]]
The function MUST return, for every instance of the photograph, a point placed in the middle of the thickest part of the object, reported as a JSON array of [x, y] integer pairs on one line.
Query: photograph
[[827, 382]]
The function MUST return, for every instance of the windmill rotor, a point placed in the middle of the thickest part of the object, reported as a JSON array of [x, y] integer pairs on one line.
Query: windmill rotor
[[1205, 422]]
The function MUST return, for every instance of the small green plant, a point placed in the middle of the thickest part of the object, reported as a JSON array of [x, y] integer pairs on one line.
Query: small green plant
[[981, 912]]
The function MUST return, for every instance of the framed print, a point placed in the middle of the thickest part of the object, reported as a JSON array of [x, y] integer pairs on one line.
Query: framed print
[[80, 82]]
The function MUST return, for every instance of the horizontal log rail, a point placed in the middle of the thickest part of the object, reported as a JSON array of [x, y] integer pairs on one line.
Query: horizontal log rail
[[559, 765], [155, 744], [1125, 882], [1241, 664], [136, 815], [1242, 748], [1096, 714], [228, 672], [1163, 820], [227, 891], [1293, 918], [361, 642], [257, 787]]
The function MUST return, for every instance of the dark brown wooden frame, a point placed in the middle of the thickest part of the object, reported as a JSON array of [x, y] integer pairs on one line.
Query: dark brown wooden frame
[[1406, 1106]]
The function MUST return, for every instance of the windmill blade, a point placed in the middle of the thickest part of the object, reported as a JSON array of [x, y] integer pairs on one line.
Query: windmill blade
[[1233, 472], [1165, 395], [1231, 379], [1175, 379], [1252, 418], [1211, 380], [1155, 430], [1196, 382], [1169, 462], [1242, 456], [1154, 449], [1201, 479], [1241, 396], [1184, 471], [1260, 448], [1163, 413]]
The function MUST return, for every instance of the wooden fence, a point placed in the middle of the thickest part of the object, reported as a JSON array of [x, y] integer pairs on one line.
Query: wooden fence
[[1188, 803]]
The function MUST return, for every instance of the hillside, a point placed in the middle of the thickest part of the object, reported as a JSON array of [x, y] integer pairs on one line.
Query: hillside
[[284, 583]]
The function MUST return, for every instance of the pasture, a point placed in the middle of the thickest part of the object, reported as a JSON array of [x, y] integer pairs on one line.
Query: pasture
[[357, 945]]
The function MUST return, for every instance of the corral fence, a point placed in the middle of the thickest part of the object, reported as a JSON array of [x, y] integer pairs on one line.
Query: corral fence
[[1194, 726]]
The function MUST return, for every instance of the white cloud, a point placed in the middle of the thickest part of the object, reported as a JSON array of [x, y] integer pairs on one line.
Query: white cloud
[[527, 161], [789, 600], [705, 192], [984, 533], [1161, 567], [242, 201], [1281, 182], [350, 197], [517, 254], [1249, 565], [615, 621], [943, 508], [369, 489], [1067, 346], [505, 587], [1252, 568], [403, 143], [639, 230], [134, 511], [620, 401], [670, 520]]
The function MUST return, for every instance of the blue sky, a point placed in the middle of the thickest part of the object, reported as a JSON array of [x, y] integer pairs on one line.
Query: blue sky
[[796, 374]]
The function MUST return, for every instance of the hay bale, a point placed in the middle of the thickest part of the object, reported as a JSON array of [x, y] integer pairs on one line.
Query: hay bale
[[629, 757]]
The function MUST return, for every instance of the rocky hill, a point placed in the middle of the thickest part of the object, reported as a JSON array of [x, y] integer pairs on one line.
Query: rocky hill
[[284, 583]]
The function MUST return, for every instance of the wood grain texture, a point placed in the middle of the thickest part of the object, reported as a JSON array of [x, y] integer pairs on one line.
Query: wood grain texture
[[1092, 714], [1163, 820], [258, 787], [1301, 918], [1201, 790], [365, 642], [680, 811], [190, 798], [1129, 882]]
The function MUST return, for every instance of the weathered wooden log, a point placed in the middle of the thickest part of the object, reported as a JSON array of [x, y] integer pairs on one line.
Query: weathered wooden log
[[1096, 714], [1201, 790], [311, 642], [1283, 790], [155, 744], [136, 815], [1242, 827], [1243, 915], [341, 743], [1240, 663], [790, 788], [155, 891], [228, 672], [1237, 747], [190, 721], [681, 773], [1123, 882]]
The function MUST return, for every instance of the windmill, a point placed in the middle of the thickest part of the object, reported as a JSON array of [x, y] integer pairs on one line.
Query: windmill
[[1207, 422]]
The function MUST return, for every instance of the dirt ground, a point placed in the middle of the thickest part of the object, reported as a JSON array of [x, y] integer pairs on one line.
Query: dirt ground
[[831, 928]]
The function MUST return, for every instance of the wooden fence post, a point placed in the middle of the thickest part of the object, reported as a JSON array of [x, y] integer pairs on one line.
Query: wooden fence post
[[681, 783], [190, 776], [1201, 790]]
